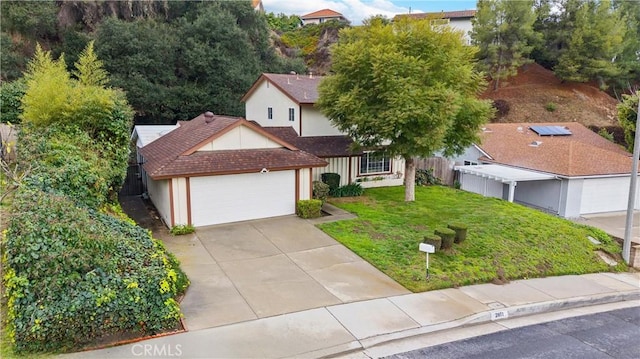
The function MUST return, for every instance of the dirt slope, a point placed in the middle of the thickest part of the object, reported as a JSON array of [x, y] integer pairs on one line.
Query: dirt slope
[[535, 89]]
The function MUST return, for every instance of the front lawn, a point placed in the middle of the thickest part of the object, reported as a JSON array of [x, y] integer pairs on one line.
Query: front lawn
[[505, 241]]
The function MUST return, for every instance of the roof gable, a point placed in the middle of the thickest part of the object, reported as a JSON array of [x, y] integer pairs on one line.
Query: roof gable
[[324, 13], [583, 153], [176, 153], [301, 89]]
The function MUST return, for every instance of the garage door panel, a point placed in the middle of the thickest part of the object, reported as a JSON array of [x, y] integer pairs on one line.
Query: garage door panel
[[232, 198], [601, 195]]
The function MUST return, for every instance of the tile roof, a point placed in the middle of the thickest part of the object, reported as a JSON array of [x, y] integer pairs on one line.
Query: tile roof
[[324, 13], [583, 153], [461, 14], [173, 155], [321, 146], [302, 89]]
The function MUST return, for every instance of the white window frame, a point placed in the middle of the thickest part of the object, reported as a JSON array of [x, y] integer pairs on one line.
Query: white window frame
[[379, 164], [292, 114]]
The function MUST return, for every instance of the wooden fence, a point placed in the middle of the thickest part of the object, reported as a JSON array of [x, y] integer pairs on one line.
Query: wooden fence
[[442, 168]]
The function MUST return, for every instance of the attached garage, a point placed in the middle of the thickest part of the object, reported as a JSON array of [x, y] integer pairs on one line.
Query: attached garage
[[241, 197], [601, 195], [220, 169]]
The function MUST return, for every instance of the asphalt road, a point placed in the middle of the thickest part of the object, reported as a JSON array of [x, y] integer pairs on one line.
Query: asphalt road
[[614, 334]]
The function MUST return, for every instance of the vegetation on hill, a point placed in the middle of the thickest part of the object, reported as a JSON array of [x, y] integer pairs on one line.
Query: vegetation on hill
[[173, 59], [75, 268]]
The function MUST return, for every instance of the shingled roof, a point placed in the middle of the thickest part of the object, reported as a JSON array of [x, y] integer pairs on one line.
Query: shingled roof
[[321, 146], [324, 13], [175, 154], [302, 89], [461, 14], [583, 153]]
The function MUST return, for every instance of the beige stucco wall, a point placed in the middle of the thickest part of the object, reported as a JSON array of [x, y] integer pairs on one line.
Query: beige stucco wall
[[314, 123], [463, 25], [267, 95], [158, 192], [304, 183], [240, 138], [180, 214]]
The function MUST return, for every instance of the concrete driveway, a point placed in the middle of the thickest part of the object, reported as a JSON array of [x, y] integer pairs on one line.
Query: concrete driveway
[[268, 267], [613, 223]]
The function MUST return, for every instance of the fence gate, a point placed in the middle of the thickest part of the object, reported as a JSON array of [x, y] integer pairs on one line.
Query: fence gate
[[133, 183]]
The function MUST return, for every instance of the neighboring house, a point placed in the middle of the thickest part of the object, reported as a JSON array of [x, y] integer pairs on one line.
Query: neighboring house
[[257, 5], [459, 20], [218, 169], [562, 168], [284, 105], [320, 16]]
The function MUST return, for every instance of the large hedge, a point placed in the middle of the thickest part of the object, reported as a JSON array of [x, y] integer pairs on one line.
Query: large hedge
[[75, 268], [74, 275]]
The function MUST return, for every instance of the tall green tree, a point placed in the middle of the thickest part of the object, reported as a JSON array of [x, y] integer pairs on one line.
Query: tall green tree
[[627, 116], [629, 58], [55, 100], [503, 30], [596, 39], [405, 88]]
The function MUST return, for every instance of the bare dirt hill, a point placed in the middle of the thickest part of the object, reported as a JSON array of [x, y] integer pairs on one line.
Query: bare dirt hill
[[535, 94]]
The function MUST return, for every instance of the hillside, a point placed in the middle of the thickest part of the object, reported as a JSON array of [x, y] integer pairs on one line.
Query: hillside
[[535, 94]]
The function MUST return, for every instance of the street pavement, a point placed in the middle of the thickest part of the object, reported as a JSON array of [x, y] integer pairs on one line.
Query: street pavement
[[606, 335]]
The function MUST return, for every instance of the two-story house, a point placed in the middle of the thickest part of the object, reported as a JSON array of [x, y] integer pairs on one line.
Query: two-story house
[[284, 105], [320, 16], [459, 20]]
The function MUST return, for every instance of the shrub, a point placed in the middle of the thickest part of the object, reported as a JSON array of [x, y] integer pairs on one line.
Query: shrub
[[74, 274], [502, 108], [434, 240], [181, 229], [550, 106], [447, 235], [350, 190], [333, 180], [320, 190], [425, 177], [461, 231], [309, 208], [10, 101]]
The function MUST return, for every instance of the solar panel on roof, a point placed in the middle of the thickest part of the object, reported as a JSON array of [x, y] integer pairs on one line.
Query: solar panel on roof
[[551, 130]]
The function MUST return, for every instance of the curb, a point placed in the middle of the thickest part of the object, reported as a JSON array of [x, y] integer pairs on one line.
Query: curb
[[475, 319]]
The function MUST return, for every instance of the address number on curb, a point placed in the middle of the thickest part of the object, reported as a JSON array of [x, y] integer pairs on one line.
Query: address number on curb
[[499, 314]]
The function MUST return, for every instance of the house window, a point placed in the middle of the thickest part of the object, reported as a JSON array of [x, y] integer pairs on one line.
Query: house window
[[270, 113], [372, 162], [292, 114], [471, 163], [439, 22]]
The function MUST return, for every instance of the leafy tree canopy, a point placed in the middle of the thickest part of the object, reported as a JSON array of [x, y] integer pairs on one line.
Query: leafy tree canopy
[[503, 30], [627, 116], [405, 86]]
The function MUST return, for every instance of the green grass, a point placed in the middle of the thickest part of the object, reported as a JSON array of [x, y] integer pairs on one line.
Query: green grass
[[505, 241]]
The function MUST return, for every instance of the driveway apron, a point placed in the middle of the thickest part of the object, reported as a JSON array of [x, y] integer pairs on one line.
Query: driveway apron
[[263, 268]]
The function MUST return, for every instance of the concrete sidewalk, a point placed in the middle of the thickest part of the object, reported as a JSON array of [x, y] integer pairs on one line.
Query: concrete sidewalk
[[353, 327]]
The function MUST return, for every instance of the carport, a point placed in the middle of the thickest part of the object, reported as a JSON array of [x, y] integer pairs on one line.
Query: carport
[[489, 180]]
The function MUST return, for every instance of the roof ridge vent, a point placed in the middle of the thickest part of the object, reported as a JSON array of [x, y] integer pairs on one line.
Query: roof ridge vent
[[208, 117], [311, 74], [486, 129], [520, 129], [535, 144]]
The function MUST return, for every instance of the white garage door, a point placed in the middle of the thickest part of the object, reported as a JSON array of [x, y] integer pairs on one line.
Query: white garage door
[[605, 195], [232, 198]]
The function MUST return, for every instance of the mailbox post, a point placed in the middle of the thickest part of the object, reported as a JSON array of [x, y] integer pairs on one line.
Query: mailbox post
[[427, 248]]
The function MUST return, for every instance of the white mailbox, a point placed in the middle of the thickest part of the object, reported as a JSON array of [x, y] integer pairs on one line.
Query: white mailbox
[[427, 248]]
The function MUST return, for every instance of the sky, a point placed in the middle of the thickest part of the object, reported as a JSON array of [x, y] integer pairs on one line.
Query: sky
[[357, 10]]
